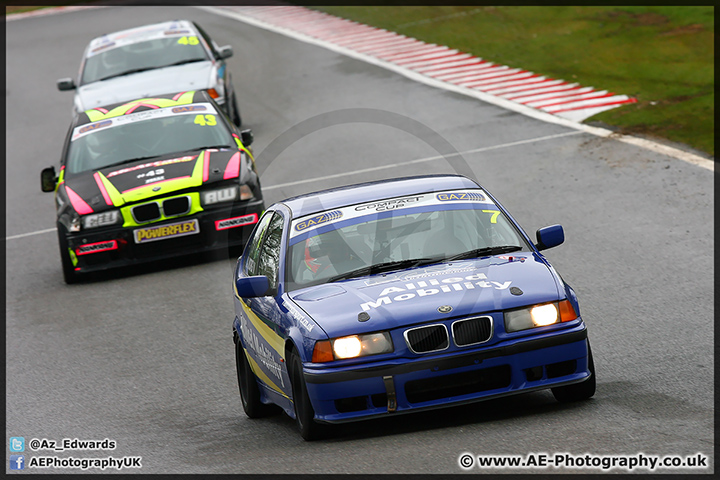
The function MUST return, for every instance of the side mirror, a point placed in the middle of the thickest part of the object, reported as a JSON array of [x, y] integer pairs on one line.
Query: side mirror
[[247, 137], [66, 84], [48, 179], [548, 237], [226, 51], [256, 286]]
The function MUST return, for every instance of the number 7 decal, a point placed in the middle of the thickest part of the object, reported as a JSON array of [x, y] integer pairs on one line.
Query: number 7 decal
[[495, 214]]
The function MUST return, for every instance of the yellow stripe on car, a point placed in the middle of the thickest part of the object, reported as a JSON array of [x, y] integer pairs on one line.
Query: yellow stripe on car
[[115, 196], [261, 375], [275, 340]]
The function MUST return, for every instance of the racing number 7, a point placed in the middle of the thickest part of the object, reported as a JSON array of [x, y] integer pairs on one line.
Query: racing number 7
[[495, 214]]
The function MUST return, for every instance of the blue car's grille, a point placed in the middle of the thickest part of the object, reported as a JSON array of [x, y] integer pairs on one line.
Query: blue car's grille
[[427, 339], [472, 331]]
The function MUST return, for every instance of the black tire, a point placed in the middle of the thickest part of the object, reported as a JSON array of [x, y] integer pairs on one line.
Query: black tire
[[249, 390], [304, 412], [578, 391], [235, 111], [67, 266]]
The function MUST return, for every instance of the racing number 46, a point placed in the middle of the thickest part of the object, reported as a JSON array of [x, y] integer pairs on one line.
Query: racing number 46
[[193, 40], [205, 120]]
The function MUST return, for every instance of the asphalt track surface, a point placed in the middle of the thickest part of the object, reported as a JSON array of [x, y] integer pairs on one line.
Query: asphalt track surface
[[145, 357]]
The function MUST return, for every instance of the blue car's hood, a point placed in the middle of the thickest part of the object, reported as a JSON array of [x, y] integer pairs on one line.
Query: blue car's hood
[[179, 78], [413, 296]]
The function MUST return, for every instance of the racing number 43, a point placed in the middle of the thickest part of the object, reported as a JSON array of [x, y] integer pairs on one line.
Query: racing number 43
[[205, 120]]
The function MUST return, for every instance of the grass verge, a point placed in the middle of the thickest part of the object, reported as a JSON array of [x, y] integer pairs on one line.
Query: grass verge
[[663, 56]]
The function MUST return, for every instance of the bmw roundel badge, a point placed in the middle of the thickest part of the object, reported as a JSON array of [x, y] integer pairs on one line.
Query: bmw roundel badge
[[445, 309], [156, 189]]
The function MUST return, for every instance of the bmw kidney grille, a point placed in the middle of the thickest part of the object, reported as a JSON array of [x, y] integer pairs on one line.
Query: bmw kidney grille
[[435, 338], [431, 338], [472, 331], [171, 207]]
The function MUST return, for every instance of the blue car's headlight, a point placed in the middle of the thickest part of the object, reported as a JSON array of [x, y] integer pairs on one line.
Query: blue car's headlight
[[352, 346], [540, 315]]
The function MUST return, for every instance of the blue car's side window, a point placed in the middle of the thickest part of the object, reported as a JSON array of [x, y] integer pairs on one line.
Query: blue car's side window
[[269, 257], [254, 244]]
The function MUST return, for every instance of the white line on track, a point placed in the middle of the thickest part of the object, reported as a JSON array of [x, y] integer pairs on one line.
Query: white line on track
[[492, 99], [421, 160], [404, 59], [374, 169], [38, 232]]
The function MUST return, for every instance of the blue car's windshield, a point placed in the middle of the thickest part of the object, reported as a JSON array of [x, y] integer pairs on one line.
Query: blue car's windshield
[[395, 240]]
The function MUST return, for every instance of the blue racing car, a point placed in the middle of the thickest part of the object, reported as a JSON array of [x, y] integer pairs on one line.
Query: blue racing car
[[397, 296]]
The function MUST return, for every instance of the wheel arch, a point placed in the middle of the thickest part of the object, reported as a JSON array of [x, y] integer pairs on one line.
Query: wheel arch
[[290, 345]]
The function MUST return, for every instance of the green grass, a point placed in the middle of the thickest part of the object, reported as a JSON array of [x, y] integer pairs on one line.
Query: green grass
[[9, 9], [663, 56], [18, 9]]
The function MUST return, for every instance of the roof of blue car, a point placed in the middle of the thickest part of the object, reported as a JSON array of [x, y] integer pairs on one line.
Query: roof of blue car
[[322, 200]]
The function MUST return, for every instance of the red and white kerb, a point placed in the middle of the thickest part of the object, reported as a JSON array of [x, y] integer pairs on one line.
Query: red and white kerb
[[557, 97]]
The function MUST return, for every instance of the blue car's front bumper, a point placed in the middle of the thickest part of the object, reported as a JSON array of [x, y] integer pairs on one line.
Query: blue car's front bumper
[[343, 394]]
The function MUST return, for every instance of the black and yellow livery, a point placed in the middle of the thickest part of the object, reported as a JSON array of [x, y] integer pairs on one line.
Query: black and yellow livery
[[150, 179]]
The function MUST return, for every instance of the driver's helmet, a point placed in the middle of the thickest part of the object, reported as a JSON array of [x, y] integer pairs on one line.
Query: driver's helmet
[[324, 250], [313, 253]]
